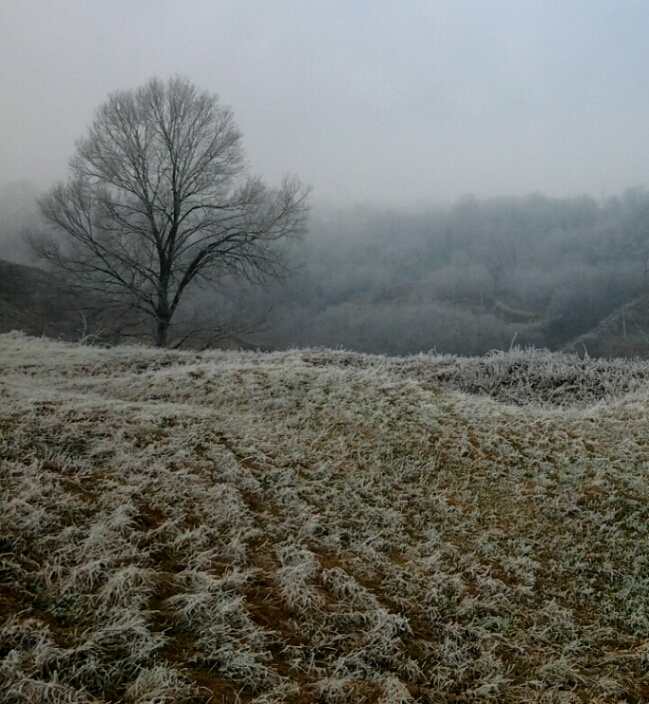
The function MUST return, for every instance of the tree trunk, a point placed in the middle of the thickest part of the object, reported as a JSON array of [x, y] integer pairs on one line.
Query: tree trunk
[[163, 320], [163, 314]]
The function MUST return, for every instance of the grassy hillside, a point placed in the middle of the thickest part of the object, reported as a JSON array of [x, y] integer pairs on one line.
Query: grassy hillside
[[37, 302], [625, 333], [317, 526]]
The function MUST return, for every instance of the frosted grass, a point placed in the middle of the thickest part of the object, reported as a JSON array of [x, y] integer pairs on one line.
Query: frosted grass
[[321, 526]]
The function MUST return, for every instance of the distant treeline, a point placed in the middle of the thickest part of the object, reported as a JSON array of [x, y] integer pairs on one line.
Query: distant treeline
[[18, 214], [465, 278]]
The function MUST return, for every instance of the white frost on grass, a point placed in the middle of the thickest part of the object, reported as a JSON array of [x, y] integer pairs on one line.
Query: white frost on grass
[[321, 525]]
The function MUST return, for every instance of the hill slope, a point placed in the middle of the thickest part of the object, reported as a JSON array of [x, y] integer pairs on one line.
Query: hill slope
[[625, 333], [317, 526], [36, 302]]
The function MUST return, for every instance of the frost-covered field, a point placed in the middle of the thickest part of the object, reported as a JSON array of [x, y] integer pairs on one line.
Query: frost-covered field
[[317, 526]]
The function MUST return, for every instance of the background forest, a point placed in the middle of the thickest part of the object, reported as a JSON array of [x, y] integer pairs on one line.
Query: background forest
[[464, 278]]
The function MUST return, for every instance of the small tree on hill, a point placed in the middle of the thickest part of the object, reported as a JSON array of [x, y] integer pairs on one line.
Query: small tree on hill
[[159, 200]]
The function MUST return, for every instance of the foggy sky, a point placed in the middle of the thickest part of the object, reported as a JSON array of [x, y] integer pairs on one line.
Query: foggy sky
[[384, 101]]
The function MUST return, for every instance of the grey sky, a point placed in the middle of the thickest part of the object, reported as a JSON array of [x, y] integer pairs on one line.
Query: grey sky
[[387, 101]]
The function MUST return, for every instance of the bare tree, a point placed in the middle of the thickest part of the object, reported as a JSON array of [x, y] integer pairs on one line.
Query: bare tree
[[160, 200]]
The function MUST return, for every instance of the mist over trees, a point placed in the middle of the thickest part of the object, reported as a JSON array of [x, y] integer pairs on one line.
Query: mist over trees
[[18, 214], [464, 278]]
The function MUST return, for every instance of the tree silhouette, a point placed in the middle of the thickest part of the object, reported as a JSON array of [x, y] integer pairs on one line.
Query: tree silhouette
[[160, 200]]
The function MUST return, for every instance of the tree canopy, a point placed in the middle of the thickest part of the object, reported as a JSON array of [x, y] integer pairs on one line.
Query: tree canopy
[[160, 199]]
